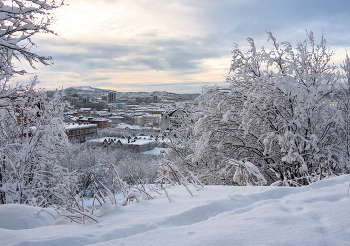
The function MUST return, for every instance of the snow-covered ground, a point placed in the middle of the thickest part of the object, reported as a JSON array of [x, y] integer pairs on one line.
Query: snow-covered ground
[[156, 151], [318, 214]]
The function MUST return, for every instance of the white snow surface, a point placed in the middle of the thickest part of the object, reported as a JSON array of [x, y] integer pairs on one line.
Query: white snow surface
[[318, 214], [156, 151]]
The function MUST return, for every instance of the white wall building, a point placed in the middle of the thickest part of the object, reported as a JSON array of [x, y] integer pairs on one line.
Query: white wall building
[[146, 119], [171, 119]]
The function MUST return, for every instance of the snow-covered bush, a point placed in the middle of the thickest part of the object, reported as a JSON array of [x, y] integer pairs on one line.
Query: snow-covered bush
[[279, 113], [32, 138], [170, 174], [343, 96], [90, 161], [138, 167], [32, 135], [246, 173]]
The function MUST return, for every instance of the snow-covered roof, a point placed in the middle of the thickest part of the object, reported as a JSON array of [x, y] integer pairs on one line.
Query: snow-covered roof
[[131, 127], [92, 119], [98, 119], [71, 112], [78, 126], [123, 141]]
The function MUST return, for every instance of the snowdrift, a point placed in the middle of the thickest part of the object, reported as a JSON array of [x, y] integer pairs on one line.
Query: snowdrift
[[318, 214]]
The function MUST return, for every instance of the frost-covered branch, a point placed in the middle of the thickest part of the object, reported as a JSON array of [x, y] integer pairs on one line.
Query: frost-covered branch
[[19, 21]]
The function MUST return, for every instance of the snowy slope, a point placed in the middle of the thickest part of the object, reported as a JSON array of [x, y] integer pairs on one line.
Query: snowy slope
[[318, 214]]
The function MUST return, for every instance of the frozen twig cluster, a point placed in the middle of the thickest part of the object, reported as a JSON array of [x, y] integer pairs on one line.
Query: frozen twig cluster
[[169, 173]]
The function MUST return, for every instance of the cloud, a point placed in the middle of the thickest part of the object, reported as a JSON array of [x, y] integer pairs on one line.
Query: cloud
[[163, 64], [166, 43], [154, 54]]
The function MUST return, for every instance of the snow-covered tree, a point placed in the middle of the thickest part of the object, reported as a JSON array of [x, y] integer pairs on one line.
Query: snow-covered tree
[[33, 138], [343, 96], [180, 140], [181, 143], [32, 135], [20, 20], [278, 114], [220, 136]]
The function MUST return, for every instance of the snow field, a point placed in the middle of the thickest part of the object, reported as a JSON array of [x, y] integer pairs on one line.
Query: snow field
[[318, 214]]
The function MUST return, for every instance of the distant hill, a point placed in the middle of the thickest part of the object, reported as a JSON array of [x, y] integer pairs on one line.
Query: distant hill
[[87, 89]]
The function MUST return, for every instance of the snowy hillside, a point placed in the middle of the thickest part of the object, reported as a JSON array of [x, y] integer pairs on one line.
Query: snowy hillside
[[318, 214]]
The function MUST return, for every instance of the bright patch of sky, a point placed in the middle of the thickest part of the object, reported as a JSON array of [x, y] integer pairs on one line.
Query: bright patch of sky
[[178, 46]]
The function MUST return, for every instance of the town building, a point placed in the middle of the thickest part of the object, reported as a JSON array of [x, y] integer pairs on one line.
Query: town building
[[112, 97], [79, 133], [147, 119], [100, 122], [136, 144], [171, 119]]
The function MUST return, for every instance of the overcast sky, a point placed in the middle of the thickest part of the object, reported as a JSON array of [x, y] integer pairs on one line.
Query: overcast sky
[[175, 45]]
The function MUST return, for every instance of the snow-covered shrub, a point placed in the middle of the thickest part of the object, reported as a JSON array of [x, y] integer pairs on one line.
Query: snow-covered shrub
[[94, 162], [32, 138], [138, 167], [170, 173], [246, 173], [32, 135], [343, 95], [279, 112]]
